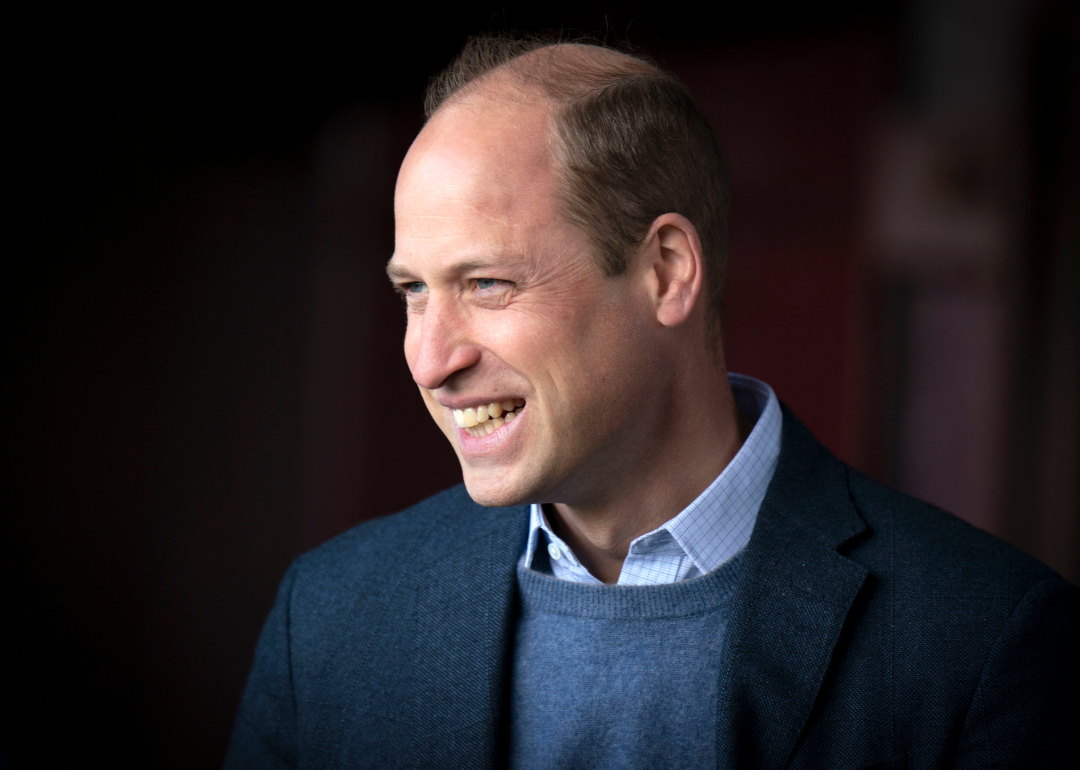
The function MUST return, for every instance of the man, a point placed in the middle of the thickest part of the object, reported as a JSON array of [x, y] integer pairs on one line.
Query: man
[[651, 563]]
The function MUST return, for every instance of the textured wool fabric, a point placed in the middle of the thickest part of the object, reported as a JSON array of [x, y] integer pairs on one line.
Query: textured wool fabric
[[705, 534], [867, 629], [618, 676]]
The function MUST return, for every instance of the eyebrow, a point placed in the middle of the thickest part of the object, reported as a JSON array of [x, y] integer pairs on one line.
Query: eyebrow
[[396, 271], [399, 273]]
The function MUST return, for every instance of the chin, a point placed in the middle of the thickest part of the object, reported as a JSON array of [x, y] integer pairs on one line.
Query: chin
[[493, 493]]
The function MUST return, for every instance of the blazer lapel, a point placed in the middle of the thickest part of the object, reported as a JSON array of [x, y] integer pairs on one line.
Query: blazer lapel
[[788, 611], [463, 613]]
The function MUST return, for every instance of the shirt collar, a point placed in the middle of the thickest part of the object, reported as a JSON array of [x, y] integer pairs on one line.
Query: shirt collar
[[718, 523]]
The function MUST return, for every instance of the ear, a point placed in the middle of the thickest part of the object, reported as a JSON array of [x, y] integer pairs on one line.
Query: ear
[[675, 267]]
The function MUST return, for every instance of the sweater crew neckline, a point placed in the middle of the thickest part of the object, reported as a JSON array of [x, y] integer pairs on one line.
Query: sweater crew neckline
[[696, 596]]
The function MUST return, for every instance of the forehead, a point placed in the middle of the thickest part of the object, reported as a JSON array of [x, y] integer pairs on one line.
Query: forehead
[[496, 128], [479, 176]]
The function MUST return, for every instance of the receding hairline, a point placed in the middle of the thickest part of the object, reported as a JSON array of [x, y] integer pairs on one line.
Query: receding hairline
[[586, 67]]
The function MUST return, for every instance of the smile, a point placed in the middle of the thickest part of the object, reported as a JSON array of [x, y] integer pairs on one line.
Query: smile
[[483, 420]]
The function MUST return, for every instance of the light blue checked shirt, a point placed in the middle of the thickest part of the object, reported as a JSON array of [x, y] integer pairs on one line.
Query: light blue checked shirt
[[707, 532]]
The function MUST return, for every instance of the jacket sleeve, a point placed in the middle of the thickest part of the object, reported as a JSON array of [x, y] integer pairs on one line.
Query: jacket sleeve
[[264, 735], [1025, 709]]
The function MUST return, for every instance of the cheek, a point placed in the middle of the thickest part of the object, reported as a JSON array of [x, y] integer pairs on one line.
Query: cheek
[[580, 354], [612, 362], [537, 346]]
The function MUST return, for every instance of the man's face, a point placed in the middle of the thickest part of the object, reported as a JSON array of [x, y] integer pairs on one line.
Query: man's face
[[506, 306]]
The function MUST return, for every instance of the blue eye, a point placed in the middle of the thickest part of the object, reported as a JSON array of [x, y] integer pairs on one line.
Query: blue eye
[[486, 283], [415, 287]]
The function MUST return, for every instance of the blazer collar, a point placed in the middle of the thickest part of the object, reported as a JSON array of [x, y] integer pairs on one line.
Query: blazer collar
[[791, 603]]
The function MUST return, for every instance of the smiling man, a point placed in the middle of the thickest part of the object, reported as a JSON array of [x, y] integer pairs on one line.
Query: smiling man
[[619, 417], [652, 563]]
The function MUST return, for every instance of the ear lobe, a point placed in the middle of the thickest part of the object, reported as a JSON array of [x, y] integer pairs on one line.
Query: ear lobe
[[678, 267]]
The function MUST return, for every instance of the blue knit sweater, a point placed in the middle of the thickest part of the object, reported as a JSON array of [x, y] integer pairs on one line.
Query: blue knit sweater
[[618, 676]]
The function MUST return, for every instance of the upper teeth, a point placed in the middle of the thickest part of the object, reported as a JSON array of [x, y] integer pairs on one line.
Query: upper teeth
[[497, 413]]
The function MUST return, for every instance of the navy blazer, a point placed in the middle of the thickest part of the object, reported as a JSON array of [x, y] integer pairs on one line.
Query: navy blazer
[[868, 629]]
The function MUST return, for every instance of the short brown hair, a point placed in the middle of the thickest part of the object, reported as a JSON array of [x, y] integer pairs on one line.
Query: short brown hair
[[632, 144]]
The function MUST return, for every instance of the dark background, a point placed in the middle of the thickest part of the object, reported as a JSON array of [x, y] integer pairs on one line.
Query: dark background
[[206, 369]]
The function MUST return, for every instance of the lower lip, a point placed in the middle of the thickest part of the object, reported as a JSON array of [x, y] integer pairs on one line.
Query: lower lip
[[474, 445]]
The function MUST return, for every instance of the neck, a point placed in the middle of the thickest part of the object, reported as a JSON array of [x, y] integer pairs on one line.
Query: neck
[[688, 453]]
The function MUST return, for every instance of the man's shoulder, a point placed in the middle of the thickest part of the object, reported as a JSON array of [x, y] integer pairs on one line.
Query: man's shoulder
[[385, 549], [928, 550], [920, 550]]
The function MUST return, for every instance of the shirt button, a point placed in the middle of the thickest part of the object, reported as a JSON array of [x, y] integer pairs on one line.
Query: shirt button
[[553, 549]]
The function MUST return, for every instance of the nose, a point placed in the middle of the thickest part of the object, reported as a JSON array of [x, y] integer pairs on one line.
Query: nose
[[438, 345]]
